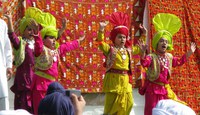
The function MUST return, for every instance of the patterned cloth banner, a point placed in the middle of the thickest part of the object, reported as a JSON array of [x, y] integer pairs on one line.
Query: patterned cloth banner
[[83, 68]]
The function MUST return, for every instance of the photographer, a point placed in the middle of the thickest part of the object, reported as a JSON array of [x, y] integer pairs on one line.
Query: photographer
[[56, 102]]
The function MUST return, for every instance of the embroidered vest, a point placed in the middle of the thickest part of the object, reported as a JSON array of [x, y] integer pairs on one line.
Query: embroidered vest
[[45, 60], [110, 59], [20, 53], [153, 71]]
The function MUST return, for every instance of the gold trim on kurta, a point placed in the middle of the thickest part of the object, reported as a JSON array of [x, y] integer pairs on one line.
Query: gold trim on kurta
[[45, 60], [20, 53]]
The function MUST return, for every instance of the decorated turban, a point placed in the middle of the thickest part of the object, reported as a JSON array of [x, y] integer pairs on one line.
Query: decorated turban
[[120, 22], [49, 31], [45, 19], [166, 25], [56, 102], [25, 21]]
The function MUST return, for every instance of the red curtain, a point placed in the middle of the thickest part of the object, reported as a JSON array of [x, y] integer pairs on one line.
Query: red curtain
[[83, 68]]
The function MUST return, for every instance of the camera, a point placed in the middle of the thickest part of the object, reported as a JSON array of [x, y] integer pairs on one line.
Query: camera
[[76, 92]]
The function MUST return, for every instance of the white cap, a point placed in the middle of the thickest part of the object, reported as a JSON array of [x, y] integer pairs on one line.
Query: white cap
[[15, 112]]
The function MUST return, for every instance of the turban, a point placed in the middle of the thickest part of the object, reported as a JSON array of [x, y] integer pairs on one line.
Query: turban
[[49, 31], [25, 21], [171, 107], [45, 19], [120, 22], [56, 102], [162, 34], [166, 25], [15, 112], [55, 87]]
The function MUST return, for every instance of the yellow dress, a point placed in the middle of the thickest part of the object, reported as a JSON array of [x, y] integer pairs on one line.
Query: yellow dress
[[117, 89]]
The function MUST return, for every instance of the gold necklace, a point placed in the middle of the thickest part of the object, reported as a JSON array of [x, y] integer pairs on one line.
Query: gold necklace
[[122, 52], [53, 52]]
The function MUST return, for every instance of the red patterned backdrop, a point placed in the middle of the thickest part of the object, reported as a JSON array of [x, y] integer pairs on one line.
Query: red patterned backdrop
[[83, 68]]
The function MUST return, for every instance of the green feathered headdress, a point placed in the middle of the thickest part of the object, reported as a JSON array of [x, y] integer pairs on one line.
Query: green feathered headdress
[[45, 19], [166, 25]]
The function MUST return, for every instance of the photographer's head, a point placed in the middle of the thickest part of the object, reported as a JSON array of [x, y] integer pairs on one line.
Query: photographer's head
[[56, 102], [55, 87]]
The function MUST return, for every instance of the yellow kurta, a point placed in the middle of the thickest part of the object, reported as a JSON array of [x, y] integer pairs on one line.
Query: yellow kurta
[[118, 90]]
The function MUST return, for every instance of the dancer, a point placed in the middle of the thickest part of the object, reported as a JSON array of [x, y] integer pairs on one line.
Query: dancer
[[160, 62], [6, 65], [24, 61], [47, 53], [118, 90]]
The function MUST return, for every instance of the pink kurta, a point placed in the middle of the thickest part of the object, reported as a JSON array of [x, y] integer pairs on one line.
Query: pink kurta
[[154, 92], [41, 84]]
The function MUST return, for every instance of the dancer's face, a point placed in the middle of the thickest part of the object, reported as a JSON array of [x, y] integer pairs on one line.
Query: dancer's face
[[162, 45], [49, 41], [120, 40], [28, 33]]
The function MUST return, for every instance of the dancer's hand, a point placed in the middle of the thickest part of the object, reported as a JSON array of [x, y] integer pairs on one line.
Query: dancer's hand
[[102, 26], [64, 23], [34, 25], [143, 48], [193, 47], [144, 30], [192, 50], [81, 38], [10, 26], [8, 16], [142, 45]]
